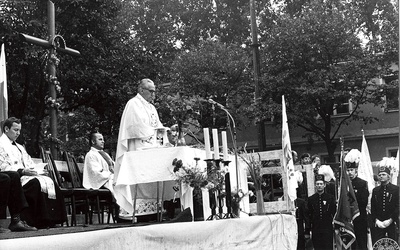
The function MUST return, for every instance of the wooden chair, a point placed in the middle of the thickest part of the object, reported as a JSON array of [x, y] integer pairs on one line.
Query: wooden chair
[[102, 197], [285, 205], [78, 195]]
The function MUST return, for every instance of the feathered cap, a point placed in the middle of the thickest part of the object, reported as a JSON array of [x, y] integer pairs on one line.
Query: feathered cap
[[352, 158], [327, 172], [386, 165]]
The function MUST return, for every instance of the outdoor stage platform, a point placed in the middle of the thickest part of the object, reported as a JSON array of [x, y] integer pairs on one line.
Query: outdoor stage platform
[[278, 231]]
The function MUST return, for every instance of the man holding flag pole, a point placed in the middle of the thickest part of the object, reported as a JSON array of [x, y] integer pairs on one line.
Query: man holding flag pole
[[347, 209]]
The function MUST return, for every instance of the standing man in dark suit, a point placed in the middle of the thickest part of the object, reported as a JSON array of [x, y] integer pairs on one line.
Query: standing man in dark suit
[[302, 219], [385, 207], [360, 188], [322, 208]]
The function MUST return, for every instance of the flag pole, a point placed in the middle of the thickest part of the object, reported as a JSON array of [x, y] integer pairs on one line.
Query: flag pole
[[3, 87]]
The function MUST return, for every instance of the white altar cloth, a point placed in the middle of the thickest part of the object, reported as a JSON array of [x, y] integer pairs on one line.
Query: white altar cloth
[[272, 232], [152, 165]]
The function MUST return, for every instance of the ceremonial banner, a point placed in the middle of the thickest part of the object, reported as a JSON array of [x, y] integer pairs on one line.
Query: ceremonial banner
[[3, 87], [288, 164], [347, 210]]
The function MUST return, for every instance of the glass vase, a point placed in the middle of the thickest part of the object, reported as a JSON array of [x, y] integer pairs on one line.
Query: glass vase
[[198, 214], [260, 202]]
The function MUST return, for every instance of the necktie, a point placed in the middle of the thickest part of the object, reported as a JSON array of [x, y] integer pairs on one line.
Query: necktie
[[22, 157], [106, 157]]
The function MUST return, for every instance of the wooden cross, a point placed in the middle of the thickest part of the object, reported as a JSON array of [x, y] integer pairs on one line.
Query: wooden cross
[[55, 43]]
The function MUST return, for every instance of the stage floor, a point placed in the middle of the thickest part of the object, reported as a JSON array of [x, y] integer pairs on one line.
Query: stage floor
[[257, 232]]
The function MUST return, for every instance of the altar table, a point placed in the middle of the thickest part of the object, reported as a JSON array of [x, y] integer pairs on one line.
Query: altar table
[[155, 165]]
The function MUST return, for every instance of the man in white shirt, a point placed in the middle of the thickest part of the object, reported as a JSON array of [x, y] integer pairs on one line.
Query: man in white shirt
[[98, 170]]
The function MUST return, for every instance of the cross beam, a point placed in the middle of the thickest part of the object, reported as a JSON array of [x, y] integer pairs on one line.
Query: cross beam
[[55, 43]]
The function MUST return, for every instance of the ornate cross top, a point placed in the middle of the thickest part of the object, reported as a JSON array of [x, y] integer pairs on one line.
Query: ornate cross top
[[55, 43]]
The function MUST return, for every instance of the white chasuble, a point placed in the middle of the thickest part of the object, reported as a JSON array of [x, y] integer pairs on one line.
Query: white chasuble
[[137, 130]]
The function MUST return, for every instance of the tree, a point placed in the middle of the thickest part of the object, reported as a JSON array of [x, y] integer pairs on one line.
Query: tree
[[316, 60], [212, 70]]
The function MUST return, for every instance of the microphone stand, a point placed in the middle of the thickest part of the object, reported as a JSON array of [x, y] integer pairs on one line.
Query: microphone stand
[[232, 130]]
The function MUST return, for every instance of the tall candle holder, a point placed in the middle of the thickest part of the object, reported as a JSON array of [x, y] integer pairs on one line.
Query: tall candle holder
[[213, 164], [228, 191]]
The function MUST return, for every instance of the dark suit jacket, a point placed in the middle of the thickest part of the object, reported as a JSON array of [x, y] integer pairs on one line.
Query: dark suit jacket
[[361, 190], [321, 217], [383, 209]]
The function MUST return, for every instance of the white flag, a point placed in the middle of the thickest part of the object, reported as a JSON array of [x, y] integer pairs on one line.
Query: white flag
[[288, 164], [3, 87], [395, 171], [365, 171]]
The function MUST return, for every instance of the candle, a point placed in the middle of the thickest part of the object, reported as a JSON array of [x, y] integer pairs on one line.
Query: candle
[[216, 144], [224, 145], [207, 142]]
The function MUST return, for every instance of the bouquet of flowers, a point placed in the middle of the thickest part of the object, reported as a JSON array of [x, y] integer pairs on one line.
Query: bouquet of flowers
[[192, 176], [216, 176]]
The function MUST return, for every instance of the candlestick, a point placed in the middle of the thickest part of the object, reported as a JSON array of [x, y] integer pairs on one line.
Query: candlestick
[[207, 143], [216, 144], [224, 145]]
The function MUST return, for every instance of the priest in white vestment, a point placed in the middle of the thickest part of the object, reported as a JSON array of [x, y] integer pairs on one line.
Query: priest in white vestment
[[46, 204], [98, 169], [138, 130]]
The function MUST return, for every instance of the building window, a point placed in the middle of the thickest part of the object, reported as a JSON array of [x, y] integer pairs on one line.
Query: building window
[[392, 152], [343, 108], [325, 158], [391, 93]]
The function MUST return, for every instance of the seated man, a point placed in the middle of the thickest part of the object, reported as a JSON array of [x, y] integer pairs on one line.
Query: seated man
[[98, 170], [46, 204], [12, 195]]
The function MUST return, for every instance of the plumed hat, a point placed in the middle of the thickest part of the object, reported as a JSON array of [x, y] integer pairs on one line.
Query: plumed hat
[[352, 158], [386, 165], [327, 172]]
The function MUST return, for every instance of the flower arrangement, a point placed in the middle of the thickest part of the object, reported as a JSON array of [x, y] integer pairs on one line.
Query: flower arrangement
[[254, 168], [192, 176], [215, 176]]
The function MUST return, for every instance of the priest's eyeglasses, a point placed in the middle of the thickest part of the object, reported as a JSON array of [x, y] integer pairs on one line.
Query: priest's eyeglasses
[[151, 91]]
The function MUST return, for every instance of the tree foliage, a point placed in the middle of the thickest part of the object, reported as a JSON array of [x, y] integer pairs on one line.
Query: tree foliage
[[316, 60]]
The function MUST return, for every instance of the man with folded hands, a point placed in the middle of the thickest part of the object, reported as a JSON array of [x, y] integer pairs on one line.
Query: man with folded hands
[[98, 170], [46, 203], [385, 207]]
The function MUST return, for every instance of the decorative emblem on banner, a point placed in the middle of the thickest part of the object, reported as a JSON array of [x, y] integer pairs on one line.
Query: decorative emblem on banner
[[385, 244]]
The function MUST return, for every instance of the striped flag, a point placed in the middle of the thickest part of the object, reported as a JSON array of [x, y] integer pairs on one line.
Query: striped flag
[[3, 87], [288, 165]]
